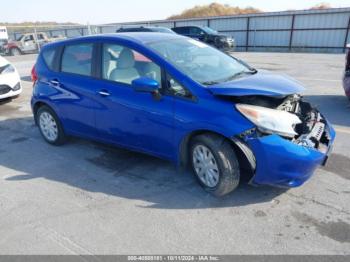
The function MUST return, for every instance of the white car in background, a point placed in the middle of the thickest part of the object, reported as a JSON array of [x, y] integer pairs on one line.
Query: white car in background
[[10, 81]]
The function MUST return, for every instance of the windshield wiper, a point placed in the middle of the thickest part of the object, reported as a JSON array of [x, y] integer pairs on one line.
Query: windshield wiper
[[209, 83], [251, 71]]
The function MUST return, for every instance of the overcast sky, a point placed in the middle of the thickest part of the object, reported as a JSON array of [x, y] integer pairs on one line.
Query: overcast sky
[[110, 11]]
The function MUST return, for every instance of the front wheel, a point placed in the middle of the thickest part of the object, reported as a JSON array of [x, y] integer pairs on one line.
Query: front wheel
[[50, 126], [215, 164]]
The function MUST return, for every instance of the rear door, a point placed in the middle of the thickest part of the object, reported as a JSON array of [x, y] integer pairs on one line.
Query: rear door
[[41, 38], [74, 83], [182, 30]]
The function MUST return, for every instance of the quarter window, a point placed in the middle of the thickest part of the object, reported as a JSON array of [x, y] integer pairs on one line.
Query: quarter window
[[77, 59], [49, 56], [176, 89], [122, 64]]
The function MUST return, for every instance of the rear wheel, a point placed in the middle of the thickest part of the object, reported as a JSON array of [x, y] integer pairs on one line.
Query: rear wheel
[[214, 164], [15, 51], [50, 126]]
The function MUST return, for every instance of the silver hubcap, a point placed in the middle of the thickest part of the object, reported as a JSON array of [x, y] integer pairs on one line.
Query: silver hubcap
[[48, 126], [205, 166]]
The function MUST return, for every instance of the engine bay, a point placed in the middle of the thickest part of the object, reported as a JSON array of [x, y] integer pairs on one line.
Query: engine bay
[[311, 132]]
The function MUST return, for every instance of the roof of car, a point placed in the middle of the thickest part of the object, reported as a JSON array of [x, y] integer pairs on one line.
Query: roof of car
[[186, 26], [139, 37], [149, 27]]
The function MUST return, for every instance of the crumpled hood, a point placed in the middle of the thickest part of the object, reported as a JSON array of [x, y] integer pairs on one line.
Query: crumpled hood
[[262, 83]]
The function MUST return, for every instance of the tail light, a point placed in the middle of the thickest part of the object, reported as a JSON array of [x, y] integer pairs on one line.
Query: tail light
[[34, 75], [347, 58]]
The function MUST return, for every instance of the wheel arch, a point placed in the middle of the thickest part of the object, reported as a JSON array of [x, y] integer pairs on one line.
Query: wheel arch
[[39, 104], [245, 156], [15, 47]]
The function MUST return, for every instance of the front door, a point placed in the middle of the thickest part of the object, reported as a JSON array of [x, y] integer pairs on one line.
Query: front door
[[126, 117]]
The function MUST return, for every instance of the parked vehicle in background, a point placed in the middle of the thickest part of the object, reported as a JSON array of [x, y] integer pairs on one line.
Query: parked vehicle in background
[[346, 78], [207, 35], [157, 29], [28, 43], [179, 99], [10, 81], [3, 39]]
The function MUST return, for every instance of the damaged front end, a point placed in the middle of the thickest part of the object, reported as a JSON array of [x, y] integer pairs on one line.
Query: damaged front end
[[289, 147]]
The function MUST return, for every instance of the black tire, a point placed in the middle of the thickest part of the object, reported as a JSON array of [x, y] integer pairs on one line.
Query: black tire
[[225, 157], [61, 137], [15, 51]]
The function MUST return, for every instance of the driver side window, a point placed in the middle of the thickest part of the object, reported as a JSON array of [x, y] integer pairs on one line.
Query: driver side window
[[122, 64], [196, 31]]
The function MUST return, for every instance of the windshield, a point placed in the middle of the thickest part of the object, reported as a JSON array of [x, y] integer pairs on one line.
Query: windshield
[[19, 38], [209, 31], [199, 61]]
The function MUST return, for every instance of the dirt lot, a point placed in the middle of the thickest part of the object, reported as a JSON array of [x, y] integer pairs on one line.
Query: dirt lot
[[88, 198]]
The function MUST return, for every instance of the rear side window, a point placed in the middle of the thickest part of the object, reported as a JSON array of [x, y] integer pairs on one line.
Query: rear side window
[[77, 59], [181, 30], [49, 56], [41, 37], [29, 38], [136, 29]]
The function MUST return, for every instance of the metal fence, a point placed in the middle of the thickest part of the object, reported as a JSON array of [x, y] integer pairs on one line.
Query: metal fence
[[290, 31]]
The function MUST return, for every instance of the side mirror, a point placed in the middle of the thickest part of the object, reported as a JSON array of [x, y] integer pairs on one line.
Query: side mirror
[[202, 35], [145, 84]]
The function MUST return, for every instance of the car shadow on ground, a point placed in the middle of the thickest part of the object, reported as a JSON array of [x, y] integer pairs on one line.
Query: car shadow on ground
[[26, 78], [96, 167], [5, 101], [335, 108]]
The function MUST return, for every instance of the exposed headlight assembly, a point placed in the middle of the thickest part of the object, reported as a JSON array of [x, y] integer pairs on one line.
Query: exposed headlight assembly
[[270, 121], [7, 69]]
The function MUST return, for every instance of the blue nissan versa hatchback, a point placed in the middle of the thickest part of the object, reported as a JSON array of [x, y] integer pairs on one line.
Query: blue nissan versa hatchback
[[179, 99]]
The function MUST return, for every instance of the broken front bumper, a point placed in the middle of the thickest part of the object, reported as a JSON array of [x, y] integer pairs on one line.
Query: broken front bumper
[[285, 163]]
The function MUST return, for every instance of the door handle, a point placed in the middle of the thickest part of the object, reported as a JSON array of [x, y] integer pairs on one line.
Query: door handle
[[55, 82], [104, 93]]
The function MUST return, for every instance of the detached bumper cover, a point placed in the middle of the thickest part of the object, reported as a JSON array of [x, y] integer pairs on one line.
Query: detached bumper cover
[[281, 162]]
